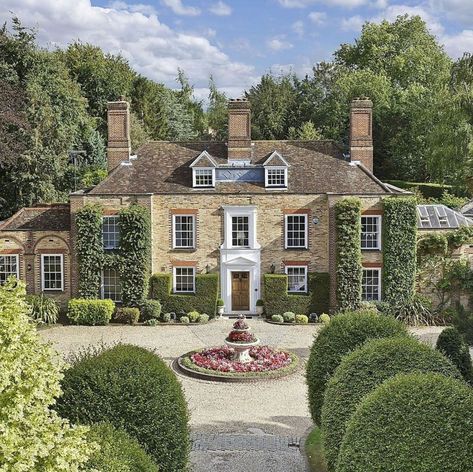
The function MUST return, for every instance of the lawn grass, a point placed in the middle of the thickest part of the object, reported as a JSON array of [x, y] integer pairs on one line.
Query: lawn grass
[[314, 451]]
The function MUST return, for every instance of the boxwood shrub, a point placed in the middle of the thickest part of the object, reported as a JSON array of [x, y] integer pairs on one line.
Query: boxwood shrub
[[343, 334], [150, 309], [411, 423], [131, 388], [127, 315], [90, 311], [118, 451], [204, 299], [277, 300], [362, 371]]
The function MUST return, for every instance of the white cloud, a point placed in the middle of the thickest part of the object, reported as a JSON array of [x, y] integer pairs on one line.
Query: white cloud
[[152, 48], [220, 9], [318, 17], [135, 8], [298, 28], [179, 9], [354, 23], [296, 3], [278, 44], [333, 3], [457, 44], [461, 10]]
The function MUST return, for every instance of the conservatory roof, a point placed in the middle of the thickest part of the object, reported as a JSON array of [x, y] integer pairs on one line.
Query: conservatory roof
[[440, 217]]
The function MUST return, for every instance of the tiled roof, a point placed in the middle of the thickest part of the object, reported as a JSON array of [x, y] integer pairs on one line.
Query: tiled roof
[[315, 167], [55, 217], [440, 217]]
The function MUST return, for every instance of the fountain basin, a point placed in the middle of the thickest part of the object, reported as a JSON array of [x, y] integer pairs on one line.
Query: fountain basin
[[242, 350]]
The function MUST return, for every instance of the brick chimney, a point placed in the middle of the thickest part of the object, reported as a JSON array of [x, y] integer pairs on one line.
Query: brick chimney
[[239, 130], [118, 121], [361, 134]]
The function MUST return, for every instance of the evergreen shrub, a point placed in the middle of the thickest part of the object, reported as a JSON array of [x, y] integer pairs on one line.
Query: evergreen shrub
[[90, 312], [127, 315], [289, 317], [302, 319], [150, 309], [43, 309]]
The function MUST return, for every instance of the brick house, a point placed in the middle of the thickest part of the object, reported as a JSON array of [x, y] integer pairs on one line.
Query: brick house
[[241, 209]]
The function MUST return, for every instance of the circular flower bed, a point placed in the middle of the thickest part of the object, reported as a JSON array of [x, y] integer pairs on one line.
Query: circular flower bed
[[217, 362], [239, 336]]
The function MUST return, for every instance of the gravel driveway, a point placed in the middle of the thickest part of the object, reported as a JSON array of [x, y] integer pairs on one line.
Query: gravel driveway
[[235, 427]]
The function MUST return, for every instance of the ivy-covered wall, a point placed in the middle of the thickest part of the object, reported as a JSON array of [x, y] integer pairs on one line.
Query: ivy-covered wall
[[348, 241], [399, 249], [277, 300], [204, 300]]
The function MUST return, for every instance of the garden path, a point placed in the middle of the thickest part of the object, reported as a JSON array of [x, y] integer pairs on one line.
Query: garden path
[[235, 427]]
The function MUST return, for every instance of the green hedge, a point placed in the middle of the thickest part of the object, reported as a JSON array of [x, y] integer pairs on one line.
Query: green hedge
[[118, 452], [411, 423], [204, 300], [428, 190], [362, 371], [399, 254], [90, 312], [343, 334], [278, 301], [134, 389], [349, 270]]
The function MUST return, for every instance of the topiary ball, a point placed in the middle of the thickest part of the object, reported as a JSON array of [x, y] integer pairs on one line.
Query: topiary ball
[[362, 371], [411, 423], [118, 451], [131, 388], [302, 319], [289, 317], [343, 334], [277, 319], [184, 320]]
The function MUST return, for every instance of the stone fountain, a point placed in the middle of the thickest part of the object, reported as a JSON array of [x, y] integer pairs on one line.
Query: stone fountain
[[241, 340]]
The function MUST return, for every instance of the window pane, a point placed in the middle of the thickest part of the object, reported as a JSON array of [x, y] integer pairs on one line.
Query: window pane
[[184, 231], [276, 177], [111, 285], [240, 231], [52, 272], [296, 231], [110, 232], [203, 177], [370, 232], [8, 267], [371, 288], [184, 279], [297, 279]]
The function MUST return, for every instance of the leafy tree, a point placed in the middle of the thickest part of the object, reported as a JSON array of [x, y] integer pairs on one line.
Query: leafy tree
[[307, 131], [217, 114], [32, 436]]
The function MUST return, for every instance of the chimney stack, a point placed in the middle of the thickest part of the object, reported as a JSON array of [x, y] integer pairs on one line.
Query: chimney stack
[[239, 130], [118, 122], [361, 132]]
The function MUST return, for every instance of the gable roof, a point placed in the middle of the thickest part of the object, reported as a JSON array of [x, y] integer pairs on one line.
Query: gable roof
[[440, 217], [316, 167], [204, 159], [275, 159], [43, 217]]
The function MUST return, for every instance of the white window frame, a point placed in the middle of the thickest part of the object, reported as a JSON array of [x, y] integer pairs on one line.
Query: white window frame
[[194, 177], [229, 212], [266, 176], [378, 233], [107, 217], [102, 286], [174, 232], [231, 231], [174, 279], [306, 270], [379, 271], [43, 286], [17, 264], [286, 232]]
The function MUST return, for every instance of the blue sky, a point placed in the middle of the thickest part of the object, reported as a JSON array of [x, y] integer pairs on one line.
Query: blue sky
[[235, 40]]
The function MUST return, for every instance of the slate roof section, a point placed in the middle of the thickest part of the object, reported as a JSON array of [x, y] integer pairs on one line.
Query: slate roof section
[[316, 167], [467, 209], [440, 217], [54, 217]]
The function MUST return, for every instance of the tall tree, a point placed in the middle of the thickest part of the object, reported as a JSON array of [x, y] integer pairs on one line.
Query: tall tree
[[217, 114]]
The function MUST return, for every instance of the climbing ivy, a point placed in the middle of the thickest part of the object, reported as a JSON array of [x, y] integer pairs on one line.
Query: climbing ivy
[[349, 269], [89, 250], [135, 253], [399, 238]]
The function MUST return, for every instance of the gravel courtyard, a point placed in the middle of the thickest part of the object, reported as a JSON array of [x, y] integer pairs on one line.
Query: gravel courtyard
[[235, 427]]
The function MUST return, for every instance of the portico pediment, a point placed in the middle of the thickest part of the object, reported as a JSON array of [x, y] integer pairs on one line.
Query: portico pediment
[[241, 261]]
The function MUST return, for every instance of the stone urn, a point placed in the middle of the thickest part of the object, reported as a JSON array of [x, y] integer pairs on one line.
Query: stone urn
[[241, 348]]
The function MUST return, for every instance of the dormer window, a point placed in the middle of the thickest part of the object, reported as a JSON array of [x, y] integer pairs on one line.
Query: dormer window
[[203, 177], [276, 177]]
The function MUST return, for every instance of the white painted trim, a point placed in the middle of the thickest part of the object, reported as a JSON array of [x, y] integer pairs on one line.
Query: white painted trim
[[174, 245], [201, 156], [266, 177], [107, 217], [229, 213], [379, 233], [17, 257], [272, 156], [174, 279], [43, 288], [306, 277], [306, 231], [102, 284], [194, 170], [380, 275]]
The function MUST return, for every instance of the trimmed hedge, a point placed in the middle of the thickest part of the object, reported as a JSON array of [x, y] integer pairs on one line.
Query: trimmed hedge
[[349, 270], [90, 312], [343, 334], [131, 388], [127, 315], [463, 321], [451, 344], [277, 300], [150, 309], [400, 245], [204, 300], [411, 423], [362, 371], [428, 190], [118, 451]]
